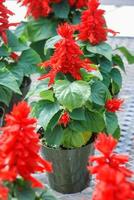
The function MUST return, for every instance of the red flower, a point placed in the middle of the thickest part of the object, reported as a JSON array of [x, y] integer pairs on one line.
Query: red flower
[[14, 56], [93, 25], [64, 119], [78, 3], [3, 193], [113, 105], [111, 173], [38, 8], [66, 58], [4, 23], [19, 147]]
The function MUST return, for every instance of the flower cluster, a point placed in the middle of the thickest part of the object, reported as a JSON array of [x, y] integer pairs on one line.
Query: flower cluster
[[93, 25], [113, 105], [19, 149], [64, 119], [78, 3], [113, 178], [42, 8], [67, 56], [4, 20]]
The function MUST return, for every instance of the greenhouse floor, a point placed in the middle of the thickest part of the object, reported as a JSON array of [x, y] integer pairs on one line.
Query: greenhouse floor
[[126, 119]]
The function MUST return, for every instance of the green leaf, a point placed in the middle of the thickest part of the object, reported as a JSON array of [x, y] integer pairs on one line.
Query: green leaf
[[54, 137], [25, 192], [41, 29], [94, 121], [28, 62], [4, 51], [127, 54], [8, 80], [101, 49], [51, 42], [37, 88], [115, 88], [106, 79], [48, 111], [72, 95], [99, 93], [37, 107], [78, 114], [116, 76], [47, 195], [14, 43], [74, 139], [47, 95], [117, 133], [117, 60], [54, 121], [61, 9], [5, 95], [105, 65], [87, 76], [111, 122], [21, 31]]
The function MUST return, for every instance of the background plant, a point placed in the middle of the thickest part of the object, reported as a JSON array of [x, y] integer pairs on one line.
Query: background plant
[[17, 59], [19, 160]]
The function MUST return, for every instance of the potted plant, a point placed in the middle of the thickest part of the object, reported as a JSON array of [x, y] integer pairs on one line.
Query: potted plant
[[17, 62], [19, 160], [73, 105]]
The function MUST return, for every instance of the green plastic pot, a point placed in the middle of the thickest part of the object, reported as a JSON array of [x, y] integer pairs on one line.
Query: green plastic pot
[[70, 173]]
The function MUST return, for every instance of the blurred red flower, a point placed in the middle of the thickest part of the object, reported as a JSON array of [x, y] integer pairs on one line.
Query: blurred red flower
[[113, 105], [3, 192], [42, 8], [66, 58], [111, 173], [78, 3], [93, 25], [19, 147]]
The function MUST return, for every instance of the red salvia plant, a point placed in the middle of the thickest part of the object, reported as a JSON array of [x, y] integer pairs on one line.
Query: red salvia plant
[[113, 105], [19, 148], [4, 20], [93, 25], [113, 177], [67, 56]]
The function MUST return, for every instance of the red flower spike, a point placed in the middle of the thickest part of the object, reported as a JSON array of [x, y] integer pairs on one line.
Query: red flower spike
[[3, 192], [93, 25], [113, 105], [64, 119], [105, 145], [111, 173], [19, 147], [67, 56], [4, 23]]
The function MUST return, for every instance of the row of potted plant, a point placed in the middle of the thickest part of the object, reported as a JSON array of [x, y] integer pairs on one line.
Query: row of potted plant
[[79, 78]]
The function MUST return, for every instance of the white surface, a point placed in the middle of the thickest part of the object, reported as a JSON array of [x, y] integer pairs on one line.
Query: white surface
[[119, 19]]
